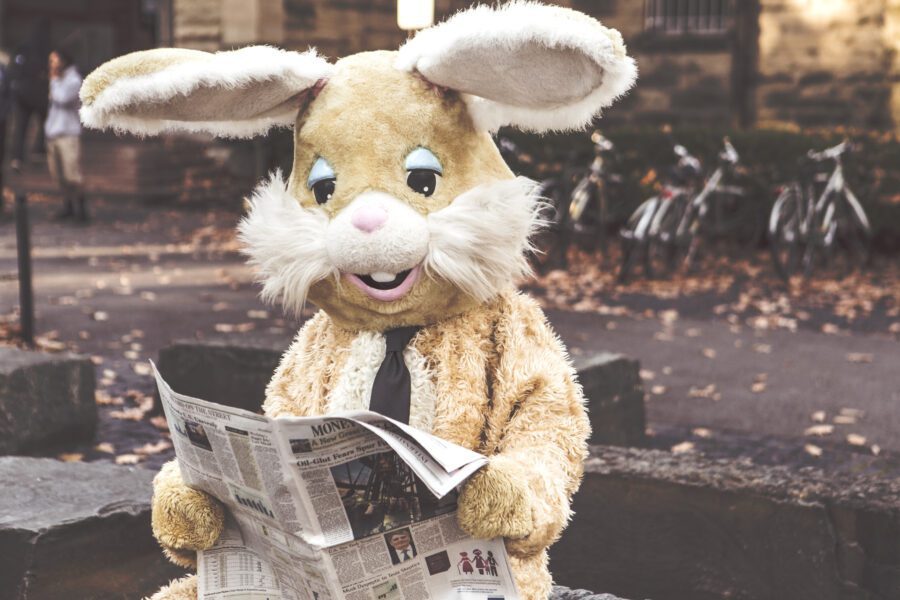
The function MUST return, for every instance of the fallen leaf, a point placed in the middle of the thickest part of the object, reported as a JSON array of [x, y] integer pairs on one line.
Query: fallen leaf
[[127, 414], [830, 329], [71, 457], [257, 314], [820, 430], [658, 390], [812, 450], [762, 348], [647, 374], [876, 449], [860, 357], [708, 391], [105, 447], [101, 315], [854, 439], [129, 459], [148, 448], [818, 416], [104, 398], [142, 369], [709, 352], [844, 420], [159, 421], [683, 447], [702, 432]]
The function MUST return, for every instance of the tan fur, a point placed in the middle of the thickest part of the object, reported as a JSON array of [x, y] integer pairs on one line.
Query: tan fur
[[505, 388], [184, 520], [134, 65], [179, 589], [366, 120]]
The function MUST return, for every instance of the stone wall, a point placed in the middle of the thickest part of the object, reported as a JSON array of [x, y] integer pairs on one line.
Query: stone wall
[[830, 62]]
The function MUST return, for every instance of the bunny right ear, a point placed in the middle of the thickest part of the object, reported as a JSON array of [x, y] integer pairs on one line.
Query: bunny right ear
[[239, 93], [525, 64]]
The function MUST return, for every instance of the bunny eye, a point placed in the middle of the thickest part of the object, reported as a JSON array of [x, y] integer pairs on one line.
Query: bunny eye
[[321, 180], [423, 171]]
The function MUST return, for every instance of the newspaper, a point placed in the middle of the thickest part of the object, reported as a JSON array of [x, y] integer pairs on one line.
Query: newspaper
[[351, 506]]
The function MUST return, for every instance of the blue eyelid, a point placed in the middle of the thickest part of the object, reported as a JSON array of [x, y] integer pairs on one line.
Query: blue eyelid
[[320, 171], [422, 158]]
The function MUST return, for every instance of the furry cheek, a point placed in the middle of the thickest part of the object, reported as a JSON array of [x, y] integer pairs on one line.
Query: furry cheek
[[479, 242], [286, 243]]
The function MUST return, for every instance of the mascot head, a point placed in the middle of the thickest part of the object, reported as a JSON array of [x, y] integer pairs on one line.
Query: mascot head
[[399, 209]]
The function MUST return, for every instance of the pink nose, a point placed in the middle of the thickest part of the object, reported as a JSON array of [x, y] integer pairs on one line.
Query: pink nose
[[369, 218]]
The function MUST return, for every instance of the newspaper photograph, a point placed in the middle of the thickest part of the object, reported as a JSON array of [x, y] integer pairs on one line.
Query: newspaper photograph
[[352, 506]]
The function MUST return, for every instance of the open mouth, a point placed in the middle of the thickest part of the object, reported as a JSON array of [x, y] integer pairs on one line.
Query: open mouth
[[385, 287]]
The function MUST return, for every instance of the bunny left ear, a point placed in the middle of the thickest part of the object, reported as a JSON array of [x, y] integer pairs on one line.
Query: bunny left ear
[[238, 93], [536, 67]]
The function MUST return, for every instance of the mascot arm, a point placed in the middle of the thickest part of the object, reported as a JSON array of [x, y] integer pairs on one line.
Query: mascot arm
[[183, 519], [525, 491]]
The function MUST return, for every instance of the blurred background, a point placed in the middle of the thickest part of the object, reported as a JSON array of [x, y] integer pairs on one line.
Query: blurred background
[[723, 262]]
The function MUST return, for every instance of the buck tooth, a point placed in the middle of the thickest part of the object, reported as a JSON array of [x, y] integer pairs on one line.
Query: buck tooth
[[382, 277]]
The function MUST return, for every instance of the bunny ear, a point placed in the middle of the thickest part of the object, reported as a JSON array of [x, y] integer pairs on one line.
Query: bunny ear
[[536, 67], [240, 93]]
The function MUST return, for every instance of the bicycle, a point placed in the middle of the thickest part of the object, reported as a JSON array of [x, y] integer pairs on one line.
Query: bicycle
[[805, 227], [721, 210], [656, 216], [578, 209], [590, 211]]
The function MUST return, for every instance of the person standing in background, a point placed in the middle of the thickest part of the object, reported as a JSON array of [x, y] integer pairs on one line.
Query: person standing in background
[[28, 81], [63, 134]]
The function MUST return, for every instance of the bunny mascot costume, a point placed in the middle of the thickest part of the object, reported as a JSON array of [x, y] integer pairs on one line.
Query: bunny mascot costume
[[399, 215]]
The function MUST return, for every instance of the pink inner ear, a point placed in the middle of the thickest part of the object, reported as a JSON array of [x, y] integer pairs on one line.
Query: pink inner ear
[[308, 95], [317, 88]]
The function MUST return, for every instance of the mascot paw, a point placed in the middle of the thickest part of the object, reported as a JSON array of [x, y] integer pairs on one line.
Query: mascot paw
[[183, 519], [496, 502]]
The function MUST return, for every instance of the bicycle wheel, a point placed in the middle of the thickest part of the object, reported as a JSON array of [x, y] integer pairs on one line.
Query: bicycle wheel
[[785, 231], [848, 236], [634, 235], [662, 256], [551, 243]]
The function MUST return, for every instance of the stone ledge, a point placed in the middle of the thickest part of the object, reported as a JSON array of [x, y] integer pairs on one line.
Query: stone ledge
[[563, 593], [44, 398], [615, 395], [234, 371], [652, 524], [75, 530]]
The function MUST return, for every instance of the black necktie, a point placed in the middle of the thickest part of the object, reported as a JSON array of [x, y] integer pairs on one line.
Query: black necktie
[[391, 388]]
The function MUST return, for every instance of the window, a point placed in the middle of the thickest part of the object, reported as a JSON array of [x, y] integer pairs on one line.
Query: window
[[687, 16]]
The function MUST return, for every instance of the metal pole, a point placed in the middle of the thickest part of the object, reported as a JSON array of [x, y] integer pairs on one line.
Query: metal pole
[[23, 246]]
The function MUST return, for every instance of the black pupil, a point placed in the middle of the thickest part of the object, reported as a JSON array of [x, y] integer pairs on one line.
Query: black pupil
[[323, 190], [422, 180]]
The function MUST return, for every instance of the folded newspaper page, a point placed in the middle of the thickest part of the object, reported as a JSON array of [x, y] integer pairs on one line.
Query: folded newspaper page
[[351, 506]]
